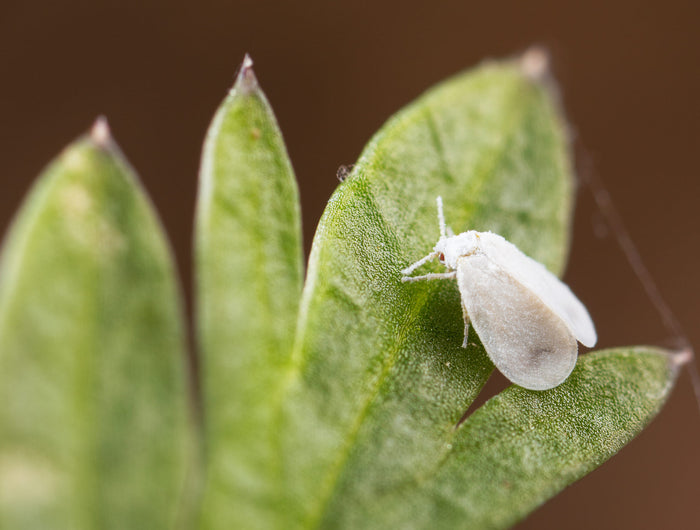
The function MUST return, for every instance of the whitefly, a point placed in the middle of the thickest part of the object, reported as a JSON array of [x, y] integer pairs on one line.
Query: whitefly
[[529, 321]]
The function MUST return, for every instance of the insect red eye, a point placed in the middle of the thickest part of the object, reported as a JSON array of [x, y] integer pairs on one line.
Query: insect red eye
[[441, 256]]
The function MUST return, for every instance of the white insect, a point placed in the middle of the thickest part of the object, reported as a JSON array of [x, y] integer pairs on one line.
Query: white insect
[[527, 319]]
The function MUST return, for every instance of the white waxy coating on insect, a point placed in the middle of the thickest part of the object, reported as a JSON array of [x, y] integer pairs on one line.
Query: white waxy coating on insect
[[527, 319]]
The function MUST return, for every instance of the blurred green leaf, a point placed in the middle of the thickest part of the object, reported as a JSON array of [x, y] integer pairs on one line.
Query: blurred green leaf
[[249, 277], [378, 378], [94, 429]]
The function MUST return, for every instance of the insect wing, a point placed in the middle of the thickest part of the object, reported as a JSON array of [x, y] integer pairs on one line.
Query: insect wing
[[524, 338], [545, 285]]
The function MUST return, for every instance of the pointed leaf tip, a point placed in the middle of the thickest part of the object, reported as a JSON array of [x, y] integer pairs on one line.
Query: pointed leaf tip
[[681, 357], [247, 61], [100, 133], [534, 63], [246, 81]]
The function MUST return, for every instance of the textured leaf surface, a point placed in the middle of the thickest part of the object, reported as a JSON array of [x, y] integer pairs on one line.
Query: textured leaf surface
[[522, 447], [94, 425], [249, 275], [378, 378]]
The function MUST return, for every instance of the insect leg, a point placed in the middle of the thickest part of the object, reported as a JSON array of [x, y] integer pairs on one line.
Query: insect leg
[[466, 326], [408, 270], [431, 276]]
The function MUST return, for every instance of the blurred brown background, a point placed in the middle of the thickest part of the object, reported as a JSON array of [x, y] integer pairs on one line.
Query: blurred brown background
[[334, 71]]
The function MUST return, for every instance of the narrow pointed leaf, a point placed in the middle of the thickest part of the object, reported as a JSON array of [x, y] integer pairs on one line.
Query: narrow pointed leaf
[[249, 274], [522, 447], [94, 428], [379, 379]]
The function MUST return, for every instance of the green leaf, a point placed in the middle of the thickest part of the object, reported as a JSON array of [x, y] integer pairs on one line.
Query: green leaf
[[523, 446], [249, 276], [378, 380], [94, 428]]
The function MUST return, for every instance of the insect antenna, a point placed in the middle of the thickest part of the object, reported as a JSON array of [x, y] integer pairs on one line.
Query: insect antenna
[[441, 217]]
